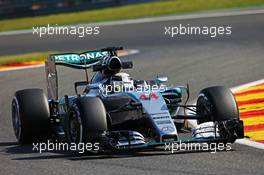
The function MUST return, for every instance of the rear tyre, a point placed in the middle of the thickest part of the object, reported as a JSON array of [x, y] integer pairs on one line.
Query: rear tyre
[[86, 120], [216, 103], [30, 115]]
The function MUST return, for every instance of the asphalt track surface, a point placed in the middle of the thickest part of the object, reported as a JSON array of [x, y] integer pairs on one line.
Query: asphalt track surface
[[201, 61]]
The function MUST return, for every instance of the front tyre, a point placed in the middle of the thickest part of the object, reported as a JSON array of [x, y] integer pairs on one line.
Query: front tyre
[[86, 120], [218, 104]]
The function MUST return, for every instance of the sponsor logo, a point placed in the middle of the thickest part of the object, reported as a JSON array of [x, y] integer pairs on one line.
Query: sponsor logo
[[67, 58], [162, 122], [51, 75], [93, 55], [160, 117], [76, 58], [159, 113], [149, 96], [167, 129]]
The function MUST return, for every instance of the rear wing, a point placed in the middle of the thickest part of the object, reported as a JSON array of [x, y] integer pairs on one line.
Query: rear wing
[[83, 60], [79, 61]]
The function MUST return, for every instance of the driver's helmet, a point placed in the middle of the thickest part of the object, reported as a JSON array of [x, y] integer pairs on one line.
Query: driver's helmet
[[122, 80]]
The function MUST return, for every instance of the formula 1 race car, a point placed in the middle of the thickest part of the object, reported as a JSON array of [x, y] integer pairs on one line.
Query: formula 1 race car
[[120, 112]]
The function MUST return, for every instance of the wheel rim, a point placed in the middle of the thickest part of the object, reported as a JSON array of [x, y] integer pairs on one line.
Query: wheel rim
[[75, 126], [16, 119], [205, 108]]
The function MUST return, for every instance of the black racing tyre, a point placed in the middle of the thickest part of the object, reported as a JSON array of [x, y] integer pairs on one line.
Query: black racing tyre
[[86, 120], [30, 115], [216, 103]]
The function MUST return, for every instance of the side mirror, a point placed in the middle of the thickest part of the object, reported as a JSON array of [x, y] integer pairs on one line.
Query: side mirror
[[162, 79], [78, 84]]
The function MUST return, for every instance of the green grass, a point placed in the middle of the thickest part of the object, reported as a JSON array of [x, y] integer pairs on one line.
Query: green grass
[[159, 8], [163, 7], [37, 56]]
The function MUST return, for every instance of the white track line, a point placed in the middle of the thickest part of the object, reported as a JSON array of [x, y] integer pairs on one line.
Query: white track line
[[244, 86], [250, 143], [130, 52], [158, 19]]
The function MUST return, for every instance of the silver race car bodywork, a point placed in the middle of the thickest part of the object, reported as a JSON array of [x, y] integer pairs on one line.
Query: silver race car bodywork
[[124, 113]]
